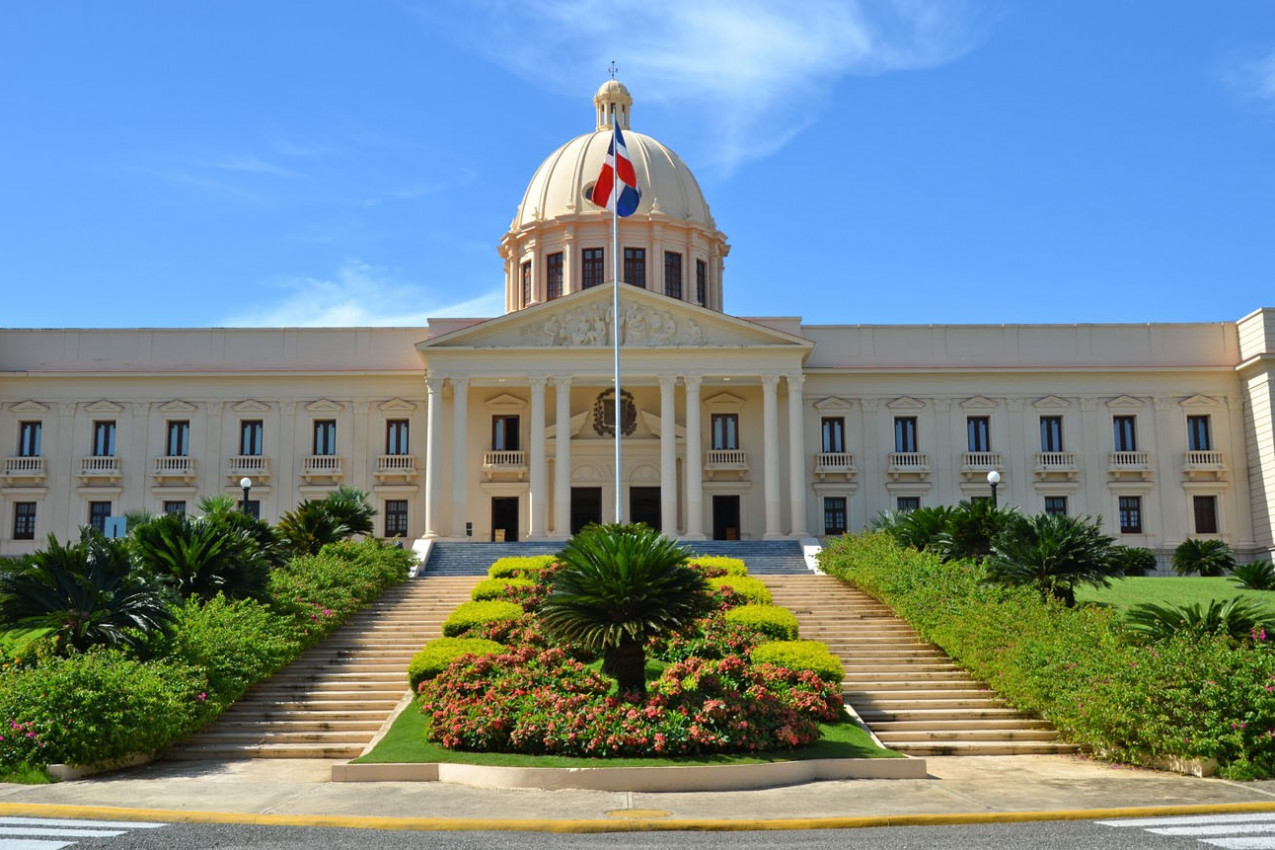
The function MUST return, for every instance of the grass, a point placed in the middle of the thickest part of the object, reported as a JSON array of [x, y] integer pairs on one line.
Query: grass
[[1179, 590], [26, 775], [405, 744], [15, 640]]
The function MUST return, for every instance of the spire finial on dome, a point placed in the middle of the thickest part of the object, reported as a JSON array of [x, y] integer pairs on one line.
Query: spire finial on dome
[[613, 99]]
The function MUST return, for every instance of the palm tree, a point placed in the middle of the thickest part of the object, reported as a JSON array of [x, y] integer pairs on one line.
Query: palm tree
[[223, 511], [1237, 618], [619, 586], [197, 556], [919, 528], [344, 513], [971, 528], [1206, 557], [1053, 553], [351, 508], [86, 594]]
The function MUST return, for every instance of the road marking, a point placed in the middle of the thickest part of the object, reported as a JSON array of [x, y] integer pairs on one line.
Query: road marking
[[34, 833], [1230, 832]]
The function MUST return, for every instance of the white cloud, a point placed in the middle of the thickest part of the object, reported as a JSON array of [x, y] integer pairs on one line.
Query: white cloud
[[1262, 77], [1250, 74], [248, 164], [757, 70], [360, 295]]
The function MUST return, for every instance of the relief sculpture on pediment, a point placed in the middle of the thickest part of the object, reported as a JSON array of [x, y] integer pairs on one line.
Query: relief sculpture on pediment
[[591, 327]]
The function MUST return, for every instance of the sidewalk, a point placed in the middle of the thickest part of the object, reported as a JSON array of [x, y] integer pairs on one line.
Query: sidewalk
[[976, 788]]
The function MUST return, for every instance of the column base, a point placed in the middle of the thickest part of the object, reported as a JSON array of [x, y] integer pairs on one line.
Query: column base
[[774, 535]]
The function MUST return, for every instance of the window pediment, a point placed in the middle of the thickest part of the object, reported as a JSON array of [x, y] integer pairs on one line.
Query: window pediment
[[176, 406], [833, 405], [1051, 402], [906, 403], [103, 406], [1125, 402], [397, 405], [251, 406], [29, 407], [724, 403], [1199, 401], [978, 403], [324, 405], [505, 404]]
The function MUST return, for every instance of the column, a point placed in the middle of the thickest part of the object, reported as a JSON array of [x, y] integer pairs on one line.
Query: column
[[460, 454], [694, 462], [539, 506], [433, 454], [797, 455], [668, 456], [770, 449], [562, 461]]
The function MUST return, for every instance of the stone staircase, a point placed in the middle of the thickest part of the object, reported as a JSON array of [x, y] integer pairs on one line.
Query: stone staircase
[[764, 557], [331, 701], [909, 693]]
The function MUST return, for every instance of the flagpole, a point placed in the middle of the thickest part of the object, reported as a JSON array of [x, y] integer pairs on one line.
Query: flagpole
[[615, 322]]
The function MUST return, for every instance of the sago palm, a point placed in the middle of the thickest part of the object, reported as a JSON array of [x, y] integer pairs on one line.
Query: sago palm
[[1206, 557], [619, 586], [198, 557], [1052, 553]]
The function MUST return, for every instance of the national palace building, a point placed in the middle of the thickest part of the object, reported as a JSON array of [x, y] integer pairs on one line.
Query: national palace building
[[749, 428]]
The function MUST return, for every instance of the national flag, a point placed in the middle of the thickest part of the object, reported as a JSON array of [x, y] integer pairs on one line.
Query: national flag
[[617, 164]]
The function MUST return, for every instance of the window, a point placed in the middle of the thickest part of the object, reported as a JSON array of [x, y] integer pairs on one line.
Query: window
[[1205, 514], [178, 508], [1051, 434], [553, 276], [905, 433], [396, 437], [103, 439], [253, 508], [29, 439], [396, 517], [834, 515], [834, 434], [250, 432], [1056, 505], [1197, 434], [635, 266], [526, 284], [325, 436], [725, 431], [24, 520], [978, 432], [673, 274], [178, 444], [1126, 435], [98, 513], [701, 280], [904, 504], [504, 433], [591, 267], [1130, 514]]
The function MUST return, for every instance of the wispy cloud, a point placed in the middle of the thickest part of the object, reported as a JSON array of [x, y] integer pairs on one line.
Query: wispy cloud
[[1256, 77], [756, 70], [248, 164], [360, 295]]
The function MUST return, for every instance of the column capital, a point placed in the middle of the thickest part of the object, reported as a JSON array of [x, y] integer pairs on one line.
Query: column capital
[[692, 381], [667, 381], [562, 382], [434, 384], [795, 381], [459, 383], [537, 382], [770, 383]]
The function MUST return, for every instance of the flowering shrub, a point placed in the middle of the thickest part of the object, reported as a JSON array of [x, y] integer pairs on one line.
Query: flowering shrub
[[808, 655], [716, 566], [520, 566], [772, 621], [494, 588], [475, 615], [436, 655], [712, 637], [754, 591]]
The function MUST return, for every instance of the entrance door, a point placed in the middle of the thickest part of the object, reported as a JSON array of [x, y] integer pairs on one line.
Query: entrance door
[[586, 507], [644, 505], [504, 518], [725, 517]]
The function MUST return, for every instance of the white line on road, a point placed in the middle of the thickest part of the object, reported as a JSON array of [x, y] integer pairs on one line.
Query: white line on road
[[87, 824], [1142, 823]]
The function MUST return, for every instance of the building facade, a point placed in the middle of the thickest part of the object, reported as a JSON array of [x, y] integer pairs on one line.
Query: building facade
[[731, 427]]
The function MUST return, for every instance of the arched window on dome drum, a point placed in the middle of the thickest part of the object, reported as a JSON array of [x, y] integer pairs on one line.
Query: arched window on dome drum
[[673, 274], [701, 281], [526, 283], [553, 276], [590, 267], [635, 266]]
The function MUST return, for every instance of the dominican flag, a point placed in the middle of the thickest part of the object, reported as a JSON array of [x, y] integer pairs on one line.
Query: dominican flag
[[617, 165]]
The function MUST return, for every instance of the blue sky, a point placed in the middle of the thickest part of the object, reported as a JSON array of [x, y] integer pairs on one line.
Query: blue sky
[[900, 161]]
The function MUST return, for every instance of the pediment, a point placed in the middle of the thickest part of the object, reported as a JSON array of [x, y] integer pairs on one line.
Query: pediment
[[832, 404], [584, 320], [906, 403], [1197, 401], [1051, 402], [324, 405], [1125, 402], [251, 406], [103, 406], [724, 401], [176, 406], [396, 405], [978, 403], [28, 407], [505, 404]]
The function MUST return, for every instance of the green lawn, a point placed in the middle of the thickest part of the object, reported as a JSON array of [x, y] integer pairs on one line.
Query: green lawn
[[13, 640], [1176, 590], [405, 743]]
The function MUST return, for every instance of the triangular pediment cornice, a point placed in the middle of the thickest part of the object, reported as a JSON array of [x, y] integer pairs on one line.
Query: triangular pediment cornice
[[28, 407], [396, 405], [724, 401], [978, 403], [251, 406], [177, 406], [833, 404], [505, 404], [1125, 402], [103, 406], [906, 403], [1051, 402], [1199, 401], [324, 405]]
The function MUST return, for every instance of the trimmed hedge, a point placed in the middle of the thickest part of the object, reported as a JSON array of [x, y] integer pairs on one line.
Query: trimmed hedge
[[1179, 698], [520, 566], [727, 565], [436, 655], [801, 655], [494, 588], [771, 621], [474, 614], [751, 589]]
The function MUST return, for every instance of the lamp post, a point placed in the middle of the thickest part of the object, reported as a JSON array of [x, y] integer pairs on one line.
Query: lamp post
[[993, 478], [246, 484]]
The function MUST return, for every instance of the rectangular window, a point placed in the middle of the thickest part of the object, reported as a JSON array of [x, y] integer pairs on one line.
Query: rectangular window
[[178, 443], [396, 517], [553, 276], [635, 266], [834, 434], [178, 508], [590, 267], [1205, 514], [1126, 433], [98, 514], [103, 439], [673, 274], [504, 434], [1051, 434], [701, 281], [978, 433], [396, 437], [834, 515], [907, 503], [250, 434], [29, 439], [24, 520], [253, 508], [905, 433], [725, 431], [1197, 434], [1130, 514], [324, 437], [526, 284], [1056, 505]]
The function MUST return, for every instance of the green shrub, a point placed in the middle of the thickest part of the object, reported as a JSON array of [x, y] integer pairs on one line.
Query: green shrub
[[475, 614], [719, 565], [320, 591], [1132, 560], [801, 655], [1206, 557], [233, 643], [770, 620], [749, 588], [494, 588], [1259, 575], [520, 566], [1236, 618], [437, 654]]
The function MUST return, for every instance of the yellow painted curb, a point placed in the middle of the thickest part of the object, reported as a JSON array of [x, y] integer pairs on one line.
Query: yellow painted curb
[[621, 825]]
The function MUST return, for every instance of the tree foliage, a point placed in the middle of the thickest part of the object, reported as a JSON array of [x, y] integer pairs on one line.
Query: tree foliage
[[1052, 553], [1206, 557]]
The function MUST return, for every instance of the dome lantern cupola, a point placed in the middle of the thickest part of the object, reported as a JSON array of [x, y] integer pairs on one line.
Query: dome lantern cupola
[[612, 100]]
